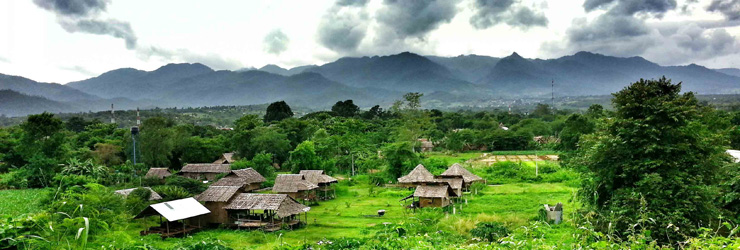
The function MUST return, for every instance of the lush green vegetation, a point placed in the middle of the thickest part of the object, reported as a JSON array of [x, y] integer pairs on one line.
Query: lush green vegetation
[[651, 173]]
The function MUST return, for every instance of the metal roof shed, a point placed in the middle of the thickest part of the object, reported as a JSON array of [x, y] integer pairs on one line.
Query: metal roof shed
[[175, 210]]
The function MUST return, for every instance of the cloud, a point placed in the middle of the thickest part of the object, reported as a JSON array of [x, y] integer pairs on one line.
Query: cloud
[[3, 59], [78, 69], [631, 7], [110, 27], [211, 60], [344, 26], [491, 12], [401, 19], [729, 8], [276, 42], [83, 16]]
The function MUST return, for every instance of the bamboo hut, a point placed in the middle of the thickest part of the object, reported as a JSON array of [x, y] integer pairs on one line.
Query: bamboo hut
[[153, 196], [158, 173], [296, 186], [226, 158], [432, 196], [317, 177], [247, 179], [457, 171], [419, 176], [179, 216], [205, 171], [215, 199], [426, 145], [455, 183], [269, 212]]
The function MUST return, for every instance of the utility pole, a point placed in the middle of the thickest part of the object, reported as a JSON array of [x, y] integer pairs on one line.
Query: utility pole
[[112, 114], [552, 97]]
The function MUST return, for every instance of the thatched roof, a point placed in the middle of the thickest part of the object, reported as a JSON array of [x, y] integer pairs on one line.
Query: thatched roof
[[458, 170], [206, 168], [159, 173], [250, 175], [240, 178], [226, 158], [291, 183], [281, 203], [317, 177], [455, 183], [175, 210], [152, 197], [441, 191], [419, 175], [217, 194]]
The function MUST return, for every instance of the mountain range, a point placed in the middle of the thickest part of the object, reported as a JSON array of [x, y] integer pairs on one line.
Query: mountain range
[[462, 80]]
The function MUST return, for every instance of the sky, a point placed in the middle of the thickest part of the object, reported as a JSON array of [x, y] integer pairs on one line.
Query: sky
[[70, 40]]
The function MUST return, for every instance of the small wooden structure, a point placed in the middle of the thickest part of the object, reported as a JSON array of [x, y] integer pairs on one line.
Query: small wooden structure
[[226, 158], [158, 173], [269, 212], [215, 199], [247, 179], [296, 186], [204, 171], [419, 176], [455, 183], [426, 145], [458, 171], [432, 196], [176, 214], [317, 177], [153, 196], [554, 213]]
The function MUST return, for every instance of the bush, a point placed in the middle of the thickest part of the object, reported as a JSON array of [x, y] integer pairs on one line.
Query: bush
[[169, 193], [490, 231], [192, 186], [141, 193]]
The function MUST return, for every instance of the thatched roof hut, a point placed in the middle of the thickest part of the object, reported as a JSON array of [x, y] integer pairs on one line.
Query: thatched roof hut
[[455, 183], [281, 204], [436, 191], [159, 173], [417, 176], [457, 170], [217, 194], [318, 177], [247, 178], [292, 183], [206, 168], [206, 171], [226, 158], [154, 196]]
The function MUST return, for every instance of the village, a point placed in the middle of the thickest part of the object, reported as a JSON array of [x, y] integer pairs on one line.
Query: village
[[237, 201]]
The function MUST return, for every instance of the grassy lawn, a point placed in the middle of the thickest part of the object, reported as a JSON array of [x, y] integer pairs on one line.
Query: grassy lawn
[[19, 201], [513, 204]]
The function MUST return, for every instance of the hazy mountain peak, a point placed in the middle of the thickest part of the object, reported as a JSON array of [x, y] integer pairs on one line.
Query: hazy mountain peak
[[183, 67]]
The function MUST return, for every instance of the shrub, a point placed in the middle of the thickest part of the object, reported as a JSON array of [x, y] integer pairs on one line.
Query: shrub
[[141, 193], [169, 193], [490, 231], [192, 186]]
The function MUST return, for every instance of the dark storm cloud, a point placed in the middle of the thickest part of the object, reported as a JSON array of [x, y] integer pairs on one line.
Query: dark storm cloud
[[492, 12], [343, 26], [82, 16], [401, 19], [631, 7], [79, 8], [113, 28], [276, 42], [359, 3], [729, 8], [623, 31]]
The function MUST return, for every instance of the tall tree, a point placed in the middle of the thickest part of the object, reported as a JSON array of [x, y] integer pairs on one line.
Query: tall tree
[[345, 108], [277, 111], [575, 126], [304, 158], [654, 165], [156, 142]]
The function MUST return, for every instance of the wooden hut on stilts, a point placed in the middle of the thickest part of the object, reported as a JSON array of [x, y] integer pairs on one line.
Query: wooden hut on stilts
[[268, 212], [317, 177], [180, 217]]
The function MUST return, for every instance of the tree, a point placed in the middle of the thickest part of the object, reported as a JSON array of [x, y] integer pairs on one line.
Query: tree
[[653, 165], [266, 140], [304, 158], [542, 110], [399, 157], [277, 111], [262, 163], [575, 126], [247, 122], [345, 108], [374, 112], [42, 135], [156, 142]]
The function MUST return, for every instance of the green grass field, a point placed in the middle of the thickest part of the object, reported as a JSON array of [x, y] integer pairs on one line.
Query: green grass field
[[19, 201]]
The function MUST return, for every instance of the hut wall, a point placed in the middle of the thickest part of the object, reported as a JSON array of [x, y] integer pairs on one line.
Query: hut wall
[[433, 202], [196, 176], [210, 176], [251, 187], [218, 214]]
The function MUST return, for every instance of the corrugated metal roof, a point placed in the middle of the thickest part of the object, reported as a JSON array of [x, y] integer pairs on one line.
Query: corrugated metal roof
[[177, 209]]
